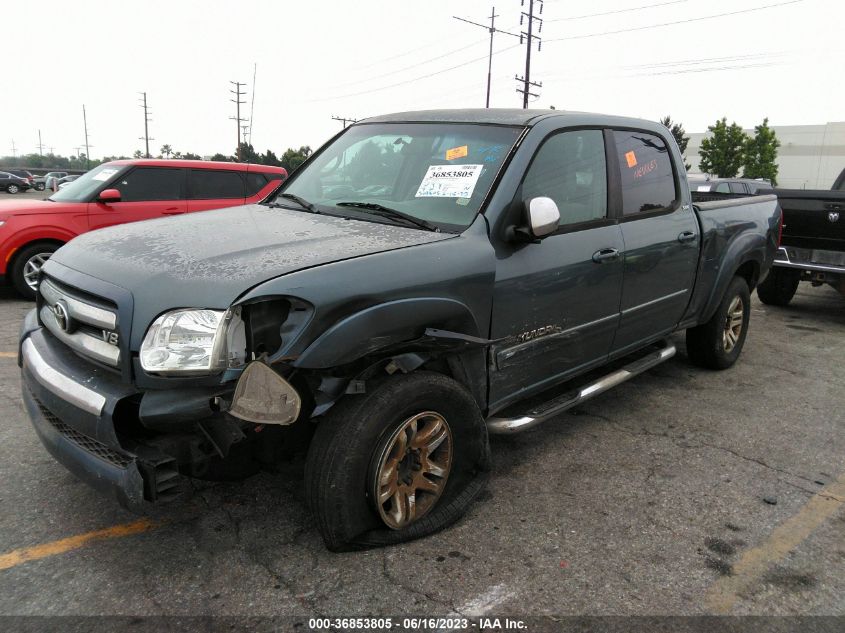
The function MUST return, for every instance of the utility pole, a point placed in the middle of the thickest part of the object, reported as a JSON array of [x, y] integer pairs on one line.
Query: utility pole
[[237, 101], [78, 149], [344, 120], [529, 37], [252, 105], [14, 149], [146, 138], [87, 149], [40, 147], [491, 29], [245, 129]]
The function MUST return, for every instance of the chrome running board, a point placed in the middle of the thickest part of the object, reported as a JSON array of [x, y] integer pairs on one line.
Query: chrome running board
[[559, 404]]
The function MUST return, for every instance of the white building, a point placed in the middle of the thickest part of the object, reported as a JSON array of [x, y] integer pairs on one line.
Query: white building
[[809, 156]]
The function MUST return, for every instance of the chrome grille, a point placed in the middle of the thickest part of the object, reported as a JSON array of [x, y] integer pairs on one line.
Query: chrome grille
[[81, 324]]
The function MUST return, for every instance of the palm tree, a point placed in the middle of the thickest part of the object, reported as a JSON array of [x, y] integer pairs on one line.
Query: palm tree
[[166, 150]]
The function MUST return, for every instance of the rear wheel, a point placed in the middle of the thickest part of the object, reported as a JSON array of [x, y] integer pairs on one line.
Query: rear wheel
[[39, 186], [779, 286], [13, 188], [397, 463], [718, 343], [27, 267]]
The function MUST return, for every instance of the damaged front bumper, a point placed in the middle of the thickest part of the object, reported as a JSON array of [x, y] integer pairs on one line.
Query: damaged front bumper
[[129, 445]]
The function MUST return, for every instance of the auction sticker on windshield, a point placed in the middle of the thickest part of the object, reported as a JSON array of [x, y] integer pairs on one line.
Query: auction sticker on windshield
[[105, 174], [449, 181]]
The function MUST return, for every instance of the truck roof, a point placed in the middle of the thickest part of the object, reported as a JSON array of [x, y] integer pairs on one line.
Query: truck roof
[[500, 116]]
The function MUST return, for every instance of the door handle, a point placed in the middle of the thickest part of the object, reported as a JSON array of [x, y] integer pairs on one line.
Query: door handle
[[605, 255], [686, 236]]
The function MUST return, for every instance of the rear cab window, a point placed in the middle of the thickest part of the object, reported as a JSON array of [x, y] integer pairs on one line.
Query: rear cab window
[[255, 182], [647, 175], [213, 184]]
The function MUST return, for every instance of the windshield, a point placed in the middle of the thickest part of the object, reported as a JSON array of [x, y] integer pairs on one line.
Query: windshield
[[439, 173], [81, 189]]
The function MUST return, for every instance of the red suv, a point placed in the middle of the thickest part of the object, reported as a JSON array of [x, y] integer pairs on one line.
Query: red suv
[[118, 192]]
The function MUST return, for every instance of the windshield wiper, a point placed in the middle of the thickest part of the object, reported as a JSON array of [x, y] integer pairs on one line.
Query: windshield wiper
[[387, 212], [300, 201]]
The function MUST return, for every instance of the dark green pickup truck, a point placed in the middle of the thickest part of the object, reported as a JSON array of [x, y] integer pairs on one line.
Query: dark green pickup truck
[[425, 279]]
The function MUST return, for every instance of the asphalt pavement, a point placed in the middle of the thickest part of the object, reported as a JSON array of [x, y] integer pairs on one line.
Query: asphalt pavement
[[681, 492]]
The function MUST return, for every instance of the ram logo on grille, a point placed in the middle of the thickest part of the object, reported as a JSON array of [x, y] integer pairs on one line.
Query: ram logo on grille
[[110, 337]]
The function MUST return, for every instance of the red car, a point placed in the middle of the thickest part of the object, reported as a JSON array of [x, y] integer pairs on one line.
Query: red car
[[115, 193]]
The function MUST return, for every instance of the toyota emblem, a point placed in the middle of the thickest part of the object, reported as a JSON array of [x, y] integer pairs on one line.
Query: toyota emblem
[[62, 316], [833, 216]]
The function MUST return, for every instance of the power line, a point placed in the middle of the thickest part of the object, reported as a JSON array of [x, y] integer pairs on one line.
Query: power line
[[529, 37], [411, 67], [492, 30], [237, 101], [637, 8], [146, 138], [654, 26], [412, 80]]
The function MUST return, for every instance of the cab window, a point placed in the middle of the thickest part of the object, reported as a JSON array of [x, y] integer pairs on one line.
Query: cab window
[[570, 169], [647, 177]]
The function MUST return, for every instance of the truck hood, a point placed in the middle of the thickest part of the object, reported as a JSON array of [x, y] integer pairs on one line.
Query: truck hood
[[208, 259]]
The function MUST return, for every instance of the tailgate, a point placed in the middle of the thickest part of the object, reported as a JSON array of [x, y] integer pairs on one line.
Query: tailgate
[[813, 219]]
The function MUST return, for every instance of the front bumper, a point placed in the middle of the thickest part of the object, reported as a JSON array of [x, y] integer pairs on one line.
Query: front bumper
[[88, 420]]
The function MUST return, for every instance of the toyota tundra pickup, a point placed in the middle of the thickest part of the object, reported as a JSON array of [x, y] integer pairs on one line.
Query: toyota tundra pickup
[[423, 280]]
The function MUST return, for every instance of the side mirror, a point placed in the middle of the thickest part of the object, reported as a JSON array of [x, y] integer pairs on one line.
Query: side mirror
[[541, 217], [109, 195]]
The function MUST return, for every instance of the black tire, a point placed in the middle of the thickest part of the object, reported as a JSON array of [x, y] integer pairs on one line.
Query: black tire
[[19, 267], [40, 186], [709, 345], [13, 189], [348, 441], [779, 286]]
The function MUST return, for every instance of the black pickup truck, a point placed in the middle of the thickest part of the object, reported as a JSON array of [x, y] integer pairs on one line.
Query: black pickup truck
[[813, 243], [424, 279]]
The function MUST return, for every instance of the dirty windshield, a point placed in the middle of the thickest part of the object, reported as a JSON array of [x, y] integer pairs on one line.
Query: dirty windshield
[[435, 173]]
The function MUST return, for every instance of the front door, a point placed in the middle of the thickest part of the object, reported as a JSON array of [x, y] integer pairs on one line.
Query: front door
[[661, 238], [145, 193], [556, 303]]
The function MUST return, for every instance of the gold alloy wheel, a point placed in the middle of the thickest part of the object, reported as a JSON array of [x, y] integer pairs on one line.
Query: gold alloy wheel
[[734, 323], [412, 469]]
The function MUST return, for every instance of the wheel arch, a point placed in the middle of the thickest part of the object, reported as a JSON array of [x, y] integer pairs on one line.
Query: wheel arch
[[15, 255]]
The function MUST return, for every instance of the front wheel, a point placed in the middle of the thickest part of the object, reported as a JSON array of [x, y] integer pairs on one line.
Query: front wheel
[[718, 343], [779, 286], [397, 463], [39, 186], [27, 267]]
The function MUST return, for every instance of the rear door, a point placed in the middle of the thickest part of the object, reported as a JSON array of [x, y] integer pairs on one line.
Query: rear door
[[556, 303], [214, 189], [145, 193], [661, 237]]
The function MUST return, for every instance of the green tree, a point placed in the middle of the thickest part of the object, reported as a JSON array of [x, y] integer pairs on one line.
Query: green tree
[[222, 158], [293, 158], [761, 154], [191, 156], [246, 153], [722, 153], [680, 135], [166, 150], [269, 158], [138, 154]]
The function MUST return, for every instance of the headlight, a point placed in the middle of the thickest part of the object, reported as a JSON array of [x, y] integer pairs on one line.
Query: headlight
[[194, 341]]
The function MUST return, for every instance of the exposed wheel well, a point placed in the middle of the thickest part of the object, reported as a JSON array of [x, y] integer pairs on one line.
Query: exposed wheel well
[[750, 271]]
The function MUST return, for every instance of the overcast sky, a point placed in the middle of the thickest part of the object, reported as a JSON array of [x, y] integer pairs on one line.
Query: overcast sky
[[365, 57]]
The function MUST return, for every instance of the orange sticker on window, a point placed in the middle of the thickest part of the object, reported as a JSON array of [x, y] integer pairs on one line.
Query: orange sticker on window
[[631, 158], [457, 152]]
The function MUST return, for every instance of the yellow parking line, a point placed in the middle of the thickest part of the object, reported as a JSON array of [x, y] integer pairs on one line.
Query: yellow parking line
[[26, 554], [723, 595], [8, 354]]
